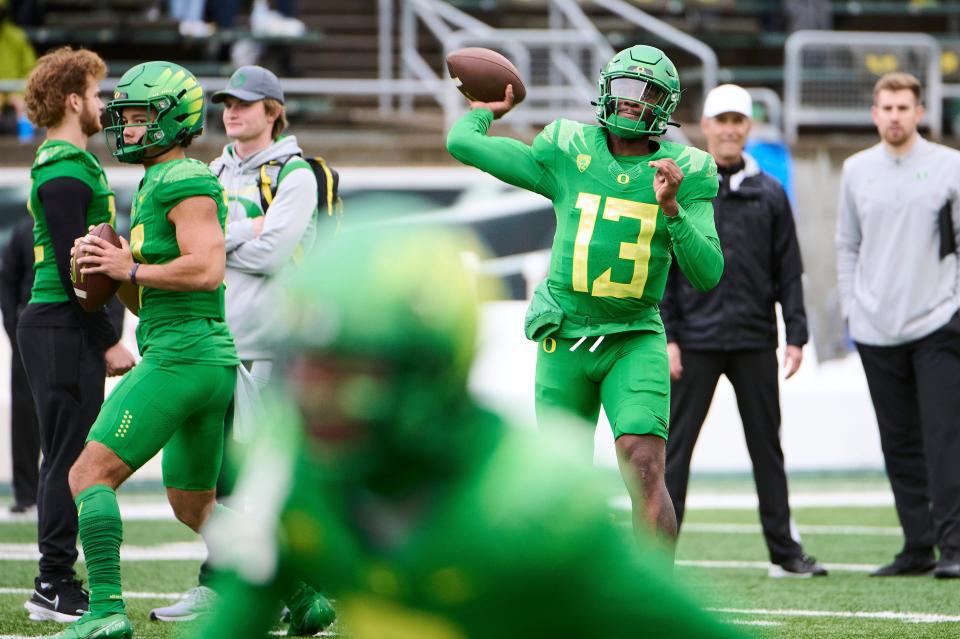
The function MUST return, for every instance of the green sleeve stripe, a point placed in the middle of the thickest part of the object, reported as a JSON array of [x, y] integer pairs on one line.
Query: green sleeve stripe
[[292, 165]]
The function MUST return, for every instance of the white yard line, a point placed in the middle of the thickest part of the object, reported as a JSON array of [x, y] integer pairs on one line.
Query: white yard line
[[128, 595], [160, 510], [880, 531], [161, 552], [748, 501], [909, 617], [764, 565]]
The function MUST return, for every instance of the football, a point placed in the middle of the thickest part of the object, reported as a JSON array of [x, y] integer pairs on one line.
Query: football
[[483, 75], [94, 290]]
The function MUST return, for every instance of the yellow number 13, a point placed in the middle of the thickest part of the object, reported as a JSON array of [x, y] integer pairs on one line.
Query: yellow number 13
[[638, 252]]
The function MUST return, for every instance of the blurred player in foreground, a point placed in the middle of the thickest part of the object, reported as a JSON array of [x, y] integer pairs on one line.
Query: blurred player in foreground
[[422, 513], [623, 202]]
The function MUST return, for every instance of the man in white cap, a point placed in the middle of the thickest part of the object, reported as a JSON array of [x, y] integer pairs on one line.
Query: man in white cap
[[732, 330]]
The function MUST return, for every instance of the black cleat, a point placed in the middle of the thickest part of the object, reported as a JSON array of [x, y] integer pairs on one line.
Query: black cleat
[[947, 568], [61, 600], [905, 564], [801, 566]]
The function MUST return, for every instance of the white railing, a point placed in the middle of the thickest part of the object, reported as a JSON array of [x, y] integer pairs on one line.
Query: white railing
[[829, 76]]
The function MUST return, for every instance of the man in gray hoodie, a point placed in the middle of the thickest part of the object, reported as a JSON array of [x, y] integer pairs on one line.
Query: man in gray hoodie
[[271, 221], [272, 199], [899, 284]]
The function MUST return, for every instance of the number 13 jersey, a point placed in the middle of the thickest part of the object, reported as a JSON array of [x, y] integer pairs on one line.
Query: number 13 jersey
[[612, 247]]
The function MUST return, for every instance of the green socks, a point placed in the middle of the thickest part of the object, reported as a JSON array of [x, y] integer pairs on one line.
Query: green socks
[[101, 532]]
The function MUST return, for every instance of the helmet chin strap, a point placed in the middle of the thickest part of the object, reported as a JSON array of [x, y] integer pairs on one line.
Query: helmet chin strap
[[160, 152]]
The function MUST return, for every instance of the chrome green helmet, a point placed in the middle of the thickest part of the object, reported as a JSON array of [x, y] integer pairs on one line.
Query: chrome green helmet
[[376, 334], [174, 103], [644, 76]]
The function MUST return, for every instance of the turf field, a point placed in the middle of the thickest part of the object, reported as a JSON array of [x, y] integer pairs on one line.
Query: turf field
[[847, 522]]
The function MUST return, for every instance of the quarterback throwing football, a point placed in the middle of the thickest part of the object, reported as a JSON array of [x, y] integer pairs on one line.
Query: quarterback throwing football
[[623, 202]]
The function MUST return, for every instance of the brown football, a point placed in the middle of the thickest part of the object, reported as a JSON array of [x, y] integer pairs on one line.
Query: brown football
[[483, 75], [95, 289]]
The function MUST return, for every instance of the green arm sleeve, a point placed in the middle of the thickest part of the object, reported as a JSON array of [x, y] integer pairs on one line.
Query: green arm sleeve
[[506, 159], [696, 245]]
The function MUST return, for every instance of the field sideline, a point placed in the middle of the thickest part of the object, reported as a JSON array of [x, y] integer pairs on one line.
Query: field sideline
[[721, 558]]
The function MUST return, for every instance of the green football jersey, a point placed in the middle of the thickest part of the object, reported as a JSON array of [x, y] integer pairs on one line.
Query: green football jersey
[[612, 248], [187, 326], [512, 539], [61, 159]]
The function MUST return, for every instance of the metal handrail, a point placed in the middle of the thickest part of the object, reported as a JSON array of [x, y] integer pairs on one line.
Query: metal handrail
[[795, 114], [670, 33]]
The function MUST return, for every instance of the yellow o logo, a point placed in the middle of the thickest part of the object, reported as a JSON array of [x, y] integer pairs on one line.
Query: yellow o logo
[[549, 345], [623, 178]]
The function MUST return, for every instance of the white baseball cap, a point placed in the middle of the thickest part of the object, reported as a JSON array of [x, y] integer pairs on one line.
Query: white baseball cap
[[727, 98]]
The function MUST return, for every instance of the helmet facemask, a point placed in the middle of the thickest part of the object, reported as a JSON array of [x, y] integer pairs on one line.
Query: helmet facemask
[[156, 136], [639, 91], [174, 106], [633, 106]]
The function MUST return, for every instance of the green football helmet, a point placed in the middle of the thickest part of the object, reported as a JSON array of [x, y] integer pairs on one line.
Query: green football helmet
[[644, 76], [376, 334], [175, 110]]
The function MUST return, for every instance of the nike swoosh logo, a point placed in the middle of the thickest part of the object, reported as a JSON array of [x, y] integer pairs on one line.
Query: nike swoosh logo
[[106, 630], [53, 602]]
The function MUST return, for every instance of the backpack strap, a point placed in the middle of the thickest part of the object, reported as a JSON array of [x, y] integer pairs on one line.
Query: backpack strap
[[269, 182], [330, 184]]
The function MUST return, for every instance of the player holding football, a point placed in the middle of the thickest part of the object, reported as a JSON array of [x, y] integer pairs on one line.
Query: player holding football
[[66, 350], [177, 397], [623, 201]]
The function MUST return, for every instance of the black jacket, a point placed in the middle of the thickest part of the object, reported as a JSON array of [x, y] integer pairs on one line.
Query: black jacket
[[761, 266], [16, 275]]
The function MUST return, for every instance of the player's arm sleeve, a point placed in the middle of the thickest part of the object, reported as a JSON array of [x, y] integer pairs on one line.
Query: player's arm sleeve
[[65, 201], [284, 224], [693, 232], [788, 270], [506, 159], [10, 275], [669, 305], [848, 243]]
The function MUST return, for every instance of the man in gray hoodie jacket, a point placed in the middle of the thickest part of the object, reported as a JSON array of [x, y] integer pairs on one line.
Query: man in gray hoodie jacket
[[899, 284], [271, 221], [272, 199]]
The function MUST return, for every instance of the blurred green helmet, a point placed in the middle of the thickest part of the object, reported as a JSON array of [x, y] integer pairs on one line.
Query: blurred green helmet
[[643, 76], [175, 109], [376, 334]]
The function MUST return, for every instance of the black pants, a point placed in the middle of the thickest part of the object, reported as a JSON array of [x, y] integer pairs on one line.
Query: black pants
[[915, 388], [66, 375], [754, 378], [24, 433]]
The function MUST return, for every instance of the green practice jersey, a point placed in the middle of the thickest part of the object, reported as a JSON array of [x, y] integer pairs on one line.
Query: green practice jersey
[[60, 159], [512, 539], [186, 326], [612, 248]]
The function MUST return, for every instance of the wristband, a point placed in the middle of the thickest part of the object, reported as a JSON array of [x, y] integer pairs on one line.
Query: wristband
[[133, 273]]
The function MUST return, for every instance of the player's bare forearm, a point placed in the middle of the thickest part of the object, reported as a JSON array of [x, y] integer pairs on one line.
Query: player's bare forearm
[[189, 272]]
